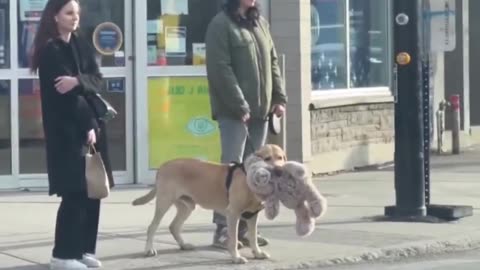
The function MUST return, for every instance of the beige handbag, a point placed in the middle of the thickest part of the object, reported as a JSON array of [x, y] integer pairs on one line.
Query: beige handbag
[[98, 186]]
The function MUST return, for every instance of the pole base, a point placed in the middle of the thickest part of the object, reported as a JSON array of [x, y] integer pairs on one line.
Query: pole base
[[449, 212], [434, 213], [392, 211]]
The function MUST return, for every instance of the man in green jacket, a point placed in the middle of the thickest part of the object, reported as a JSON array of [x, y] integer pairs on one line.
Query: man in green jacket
[[245, 85]]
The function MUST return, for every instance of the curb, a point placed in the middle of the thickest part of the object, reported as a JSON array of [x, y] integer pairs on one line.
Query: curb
[[418, 249]]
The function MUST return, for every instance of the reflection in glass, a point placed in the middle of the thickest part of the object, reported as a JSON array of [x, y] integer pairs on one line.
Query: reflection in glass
[[328, 44], [4, 34], [115, 94], [32, 142], [368, 43], [176, 30], [94, 12], [5, 129]]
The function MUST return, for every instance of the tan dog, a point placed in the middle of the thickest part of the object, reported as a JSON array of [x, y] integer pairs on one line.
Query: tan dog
[[188, 182]]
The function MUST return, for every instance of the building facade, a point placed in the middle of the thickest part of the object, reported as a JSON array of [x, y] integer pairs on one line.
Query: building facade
[[338, 66], [335, 55]]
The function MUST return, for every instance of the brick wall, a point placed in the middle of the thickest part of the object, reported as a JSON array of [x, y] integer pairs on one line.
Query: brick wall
[[338, 128]]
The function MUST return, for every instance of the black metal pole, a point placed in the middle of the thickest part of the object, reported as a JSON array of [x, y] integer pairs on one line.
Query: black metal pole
[[409, 131]]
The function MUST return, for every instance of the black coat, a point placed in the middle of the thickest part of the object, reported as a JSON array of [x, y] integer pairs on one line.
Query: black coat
[[67, 118]]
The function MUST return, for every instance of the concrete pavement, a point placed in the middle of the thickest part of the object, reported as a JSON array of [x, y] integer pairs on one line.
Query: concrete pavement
[[460, 260], [347, 234]]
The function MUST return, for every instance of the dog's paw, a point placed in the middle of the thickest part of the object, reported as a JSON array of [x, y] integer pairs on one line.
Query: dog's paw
[[187, 247], [261, 255], [239, 260], [150, 252]]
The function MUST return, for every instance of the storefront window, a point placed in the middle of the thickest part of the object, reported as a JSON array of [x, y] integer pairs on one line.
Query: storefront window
[[328, 44], [4, 35], [115, 94], [5, 129], [32, 141], [176, 31], [368, 43], [367, 38], [102, 22]]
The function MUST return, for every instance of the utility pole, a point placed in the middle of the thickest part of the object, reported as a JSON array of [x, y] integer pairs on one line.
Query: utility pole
[[409, 132], [412, 47]]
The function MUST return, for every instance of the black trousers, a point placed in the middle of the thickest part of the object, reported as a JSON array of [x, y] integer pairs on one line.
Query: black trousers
[[77, 226]]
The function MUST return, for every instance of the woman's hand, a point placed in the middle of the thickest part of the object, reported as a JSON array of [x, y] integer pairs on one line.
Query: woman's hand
[[279, 110], [64, 84], [246, 117], [91, 137]]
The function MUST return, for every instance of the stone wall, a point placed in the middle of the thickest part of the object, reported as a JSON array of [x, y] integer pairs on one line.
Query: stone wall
[[338, 128]]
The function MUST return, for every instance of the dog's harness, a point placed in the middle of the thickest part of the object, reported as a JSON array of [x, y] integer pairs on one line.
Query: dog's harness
[[231, 169]]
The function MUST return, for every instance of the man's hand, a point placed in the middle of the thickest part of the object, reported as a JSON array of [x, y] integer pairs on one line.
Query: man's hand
[[279, 110], [64, 84]]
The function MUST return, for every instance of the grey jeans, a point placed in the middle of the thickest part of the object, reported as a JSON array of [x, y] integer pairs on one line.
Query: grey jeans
[[235, 147]]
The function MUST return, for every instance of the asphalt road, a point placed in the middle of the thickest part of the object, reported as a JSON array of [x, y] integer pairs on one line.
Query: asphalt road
[[458, 261]]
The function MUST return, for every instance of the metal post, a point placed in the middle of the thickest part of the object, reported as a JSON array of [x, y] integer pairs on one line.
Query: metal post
[[409, 112], [412, 114], [441, 126], [426, 126], [455, 105]]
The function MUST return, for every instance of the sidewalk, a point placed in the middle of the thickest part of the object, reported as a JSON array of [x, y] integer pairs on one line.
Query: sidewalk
[[346, 234]]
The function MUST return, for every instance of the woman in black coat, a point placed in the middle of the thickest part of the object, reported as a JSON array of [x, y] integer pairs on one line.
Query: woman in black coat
[[68, 71]]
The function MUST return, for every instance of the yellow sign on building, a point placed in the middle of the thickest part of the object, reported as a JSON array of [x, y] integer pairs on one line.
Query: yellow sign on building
[[179, 118]]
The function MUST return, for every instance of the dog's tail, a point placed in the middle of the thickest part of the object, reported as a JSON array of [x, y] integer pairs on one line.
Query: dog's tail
[[145, 198]]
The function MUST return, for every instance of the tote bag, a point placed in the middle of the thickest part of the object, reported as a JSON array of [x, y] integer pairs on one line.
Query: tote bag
[[97, 179]]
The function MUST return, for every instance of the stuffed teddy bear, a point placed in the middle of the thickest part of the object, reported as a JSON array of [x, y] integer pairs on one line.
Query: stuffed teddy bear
[[259, 180], [289, 185], [295, 190]]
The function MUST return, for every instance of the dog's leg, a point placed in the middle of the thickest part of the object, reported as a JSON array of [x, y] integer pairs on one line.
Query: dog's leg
[[252, 224], [184, 209], [232, 226], [162, 206]]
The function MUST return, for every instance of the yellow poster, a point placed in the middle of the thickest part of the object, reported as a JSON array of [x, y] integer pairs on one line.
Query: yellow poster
[[179, 118]]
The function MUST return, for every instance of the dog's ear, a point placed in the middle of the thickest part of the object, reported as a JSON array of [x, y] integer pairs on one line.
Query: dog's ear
[[263, 151]]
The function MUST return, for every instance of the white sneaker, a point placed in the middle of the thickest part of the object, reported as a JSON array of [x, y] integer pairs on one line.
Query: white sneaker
[[59, 264], [90, 261]]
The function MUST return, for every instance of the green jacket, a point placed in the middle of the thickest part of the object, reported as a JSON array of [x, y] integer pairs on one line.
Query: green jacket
[[242, 69]]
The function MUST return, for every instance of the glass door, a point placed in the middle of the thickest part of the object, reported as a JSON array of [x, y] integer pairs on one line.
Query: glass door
[[6, 98], [107, 24], [172, 104]]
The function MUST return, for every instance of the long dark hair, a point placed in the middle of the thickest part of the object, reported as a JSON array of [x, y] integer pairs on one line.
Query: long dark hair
[[47, 30], [252, 15]]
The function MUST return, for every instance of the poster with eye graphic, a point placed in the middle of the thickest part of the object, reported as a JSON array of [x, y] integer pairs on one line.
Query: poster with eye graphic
[[179, 120], [31, 10]]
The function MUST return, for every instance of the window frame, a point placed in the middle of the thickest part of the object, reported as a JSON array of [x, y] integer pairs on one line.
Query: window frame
[[8, 44]]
